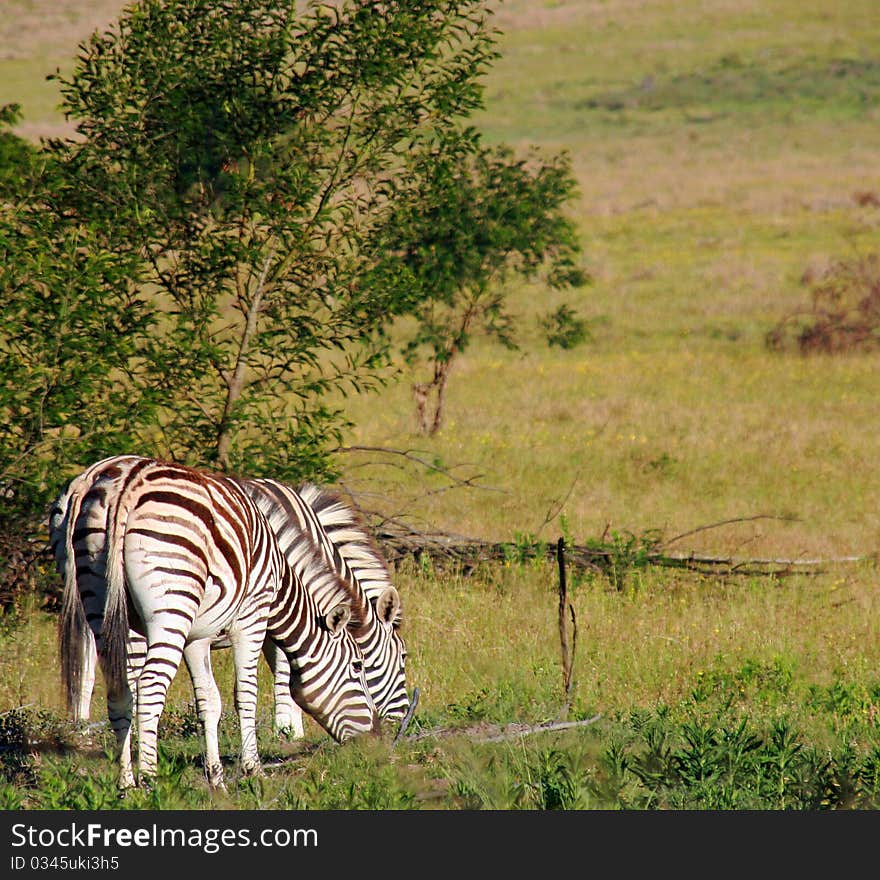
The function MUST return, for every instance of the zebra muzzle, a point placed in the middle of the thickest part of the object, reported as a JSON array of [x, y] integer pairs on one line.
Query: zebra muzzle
[[408, 717]]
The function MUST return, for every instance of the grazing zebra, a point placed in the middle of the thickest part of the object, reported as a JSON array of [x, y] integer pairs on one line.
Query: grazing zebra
[[333, 526], [85, 576], [348, 547], [82, 538], [190, 559]]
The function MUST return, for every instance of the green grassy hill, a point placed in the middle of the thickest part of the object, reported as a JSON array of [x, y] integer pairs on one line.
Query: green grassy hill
[[720, 151]]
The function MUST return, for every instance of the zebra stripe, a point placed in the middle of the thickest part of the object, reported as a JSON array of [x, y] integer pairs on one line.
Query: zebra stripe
[[85, 578], [351, 539], [200, 562], [348, 547]]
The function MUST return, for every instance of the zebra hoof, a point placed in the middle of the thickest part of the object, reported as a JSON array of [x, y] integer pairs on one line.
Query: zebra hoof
[[125, 783], [147, 783], [251, 770], [214, 775]]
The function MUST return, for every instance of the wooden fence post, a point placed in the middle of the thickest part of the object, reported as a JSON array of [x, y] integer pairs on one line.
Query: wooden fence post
[[568, 645]]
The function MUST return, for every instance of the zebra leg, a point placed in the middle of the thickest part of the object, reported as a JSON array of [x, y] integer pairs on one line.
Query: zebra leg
[[288, 716], [137, 650], [246, 657], [119, 711], [137, 654], [160, 667], [208, 704]]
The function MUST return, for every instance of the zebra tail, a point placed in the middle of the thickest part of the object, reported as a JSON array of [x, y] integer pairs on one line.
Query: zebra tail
[[114, 634], [74, 632]]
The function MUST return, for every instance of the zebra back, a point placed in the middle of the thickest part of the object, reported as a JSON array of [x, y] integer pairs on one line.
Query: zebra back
[[333, 526], [300, 536]]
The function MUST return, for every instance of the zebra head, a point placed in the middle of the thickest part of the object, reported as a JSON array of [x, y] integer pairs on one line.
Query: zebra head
[[328, 679], [386, 665]]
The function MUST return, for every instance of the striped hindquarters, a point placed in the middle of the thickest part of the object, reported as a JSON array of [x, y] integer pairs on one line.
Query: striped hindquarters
[[77, 538]]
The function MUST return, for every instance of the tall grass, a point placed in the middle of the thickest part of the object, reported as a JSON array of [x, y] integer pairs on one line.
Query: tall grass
[[701, 694]]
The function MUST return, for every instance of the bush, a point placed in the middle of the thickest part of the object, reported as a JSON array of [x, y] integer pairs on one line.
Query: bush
[[564, 328], [844, 313]]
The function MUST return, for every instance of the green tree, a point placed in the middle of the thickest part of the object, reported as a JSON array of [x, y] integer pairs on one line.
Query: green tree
[[250, 158], [70, 318], [19, 160], [478, 216]]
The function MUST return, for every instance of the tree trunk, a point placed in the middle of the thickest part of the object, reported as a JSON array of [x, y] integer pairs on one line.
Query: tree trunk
[[421, 391], [430, 418], [440, 380], [235, 383]]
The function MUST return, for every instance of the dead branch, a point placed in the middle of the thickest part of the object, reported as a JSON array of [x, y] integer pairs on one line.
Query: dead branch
[[400, 539], [516, 730], [414, 456], [556, 506], [480, 733], [727, 522], [489, 733]]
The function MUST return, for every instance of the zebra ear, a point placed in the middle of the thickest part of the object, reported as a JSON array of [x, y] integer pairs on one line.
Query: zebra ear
[[336, 618], [388, 606]]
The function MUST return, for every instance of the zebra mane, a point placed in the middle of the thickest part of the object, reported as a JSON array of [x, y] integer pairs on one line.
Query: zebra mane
[[308, 563], [348, 531]]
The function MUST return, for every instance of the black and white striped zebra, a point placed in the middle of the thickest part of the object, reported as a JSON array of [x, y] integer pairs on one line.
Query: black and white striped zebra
[[79, 533], [80, 536], [347, 545], [333, 526], [189, 559]]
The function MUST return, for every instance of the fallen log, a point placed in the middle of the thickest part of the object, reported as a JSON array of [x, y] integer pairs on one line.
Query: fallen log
[[467, 554]]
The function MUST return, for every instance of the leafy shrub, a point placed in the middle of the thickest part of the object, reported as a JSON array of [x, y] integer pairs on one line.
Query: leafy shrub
[[700, 764], [619, 554], [564, 328], [63, 785], [25, 733], [844, 312]]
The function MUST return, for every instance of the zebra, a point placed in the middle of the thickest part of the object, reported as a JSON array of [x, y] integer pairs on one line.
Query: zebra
[[345, 542], [84, 576], [83, 541], [190, 558], [347, 546]]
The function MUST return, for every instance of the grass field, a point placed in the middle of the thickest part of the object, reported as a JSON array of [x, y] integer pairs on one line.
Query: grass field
[[720, 148]]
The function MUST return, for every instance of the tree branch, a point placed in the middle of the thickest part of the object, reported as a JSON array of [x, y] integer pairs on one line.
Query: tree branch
[[727, 522], [488, 733]]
